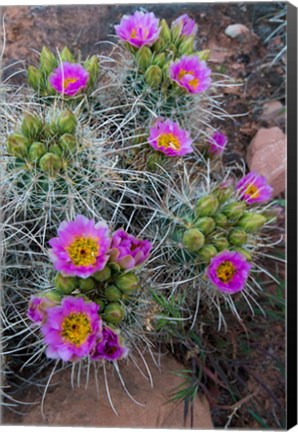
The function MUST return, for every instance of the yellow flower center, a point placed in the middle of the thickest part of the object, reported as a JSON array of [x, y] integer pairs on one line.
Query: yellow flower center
[[83, 251], [194, 82], [133, 33], [76, 328], [225, 271], [168, 140], [253, 191], [68, 81]]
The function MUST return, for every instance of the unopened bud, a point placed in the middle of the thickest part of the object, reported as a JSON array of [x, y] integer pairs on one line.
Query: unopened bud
[[68, 143], [127, 282], [87, 284], [237, 237], [36, 151], [144, 58], [56, 149], [204, 54], [53, 295], [112, 293], [34, 77], [165, 33], [176, 32], [221, 220], [31, 126], [101, 304], [50, 164], [159, 59], [17, 145], [66, 55], [65, 284], [186, 46], [114, 313], [221, 243], [103, 275], [205, 224], [48, 61], [153, 160], [207, 206], [207, 252], [252, 222], [153, 76], [223, 193], [67, 122], [92, 66], [234, 210], [193, 239]]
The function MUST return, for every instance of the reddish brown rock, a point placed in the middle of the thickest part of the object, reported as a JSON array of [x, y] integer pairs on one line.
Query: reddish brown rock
[[267, 155], [273, 110], [65, 406]]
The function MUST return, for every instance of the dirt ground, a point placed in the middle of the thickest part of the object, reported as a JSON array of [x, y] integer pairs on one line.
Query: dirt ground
[[28, 28]]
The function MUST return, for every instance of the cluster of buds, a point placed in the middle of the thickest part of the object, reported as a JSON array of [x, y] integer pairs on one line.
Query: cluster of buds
[[166, 56], [95, 272], [47, 147], [63, 74], [225, 222]]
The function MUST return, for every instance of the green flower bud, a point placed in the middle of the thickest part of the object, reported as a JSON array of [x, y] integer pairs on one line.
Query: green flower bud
[[31, 126], [159, 59], [221, 220], [92, 66], [127, 282], [68, 144], [204, 54], [205, 224], [34, 77], [207, 206], [67, 122], [48, 61], [252, 222], [234, 210], [87, 284], [165, 33], [50, 164], [66, 55], [114, 313], [144, 58], [53, 295], [36, 151], [153, 76], [112, 293], [221, 243], [207, 252], [17, 145], [115, 267], [186, 46], [103, 275], [237, 237], [56, 149], [176, 32], [65, 284], [223, 193], [193, 239], [243, 252], [153, 160], [101, 304]]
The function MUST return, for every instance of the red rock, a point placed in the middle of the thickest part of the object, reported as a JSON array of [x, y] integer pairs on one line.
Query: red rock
[[271, 110], [78, 406], [240, 32], [267, 155]]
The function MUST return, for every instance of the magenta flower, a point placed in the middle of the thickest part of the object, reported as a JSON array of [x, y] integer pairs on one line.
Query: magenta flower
[[217, 143], [188, 26], [167, 137], [128, 251], [81, 248], [138, 29], [109, 347], [69, 78], [191, 73], [71, 329], [254, 188], [228, 271], [38, 307]]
